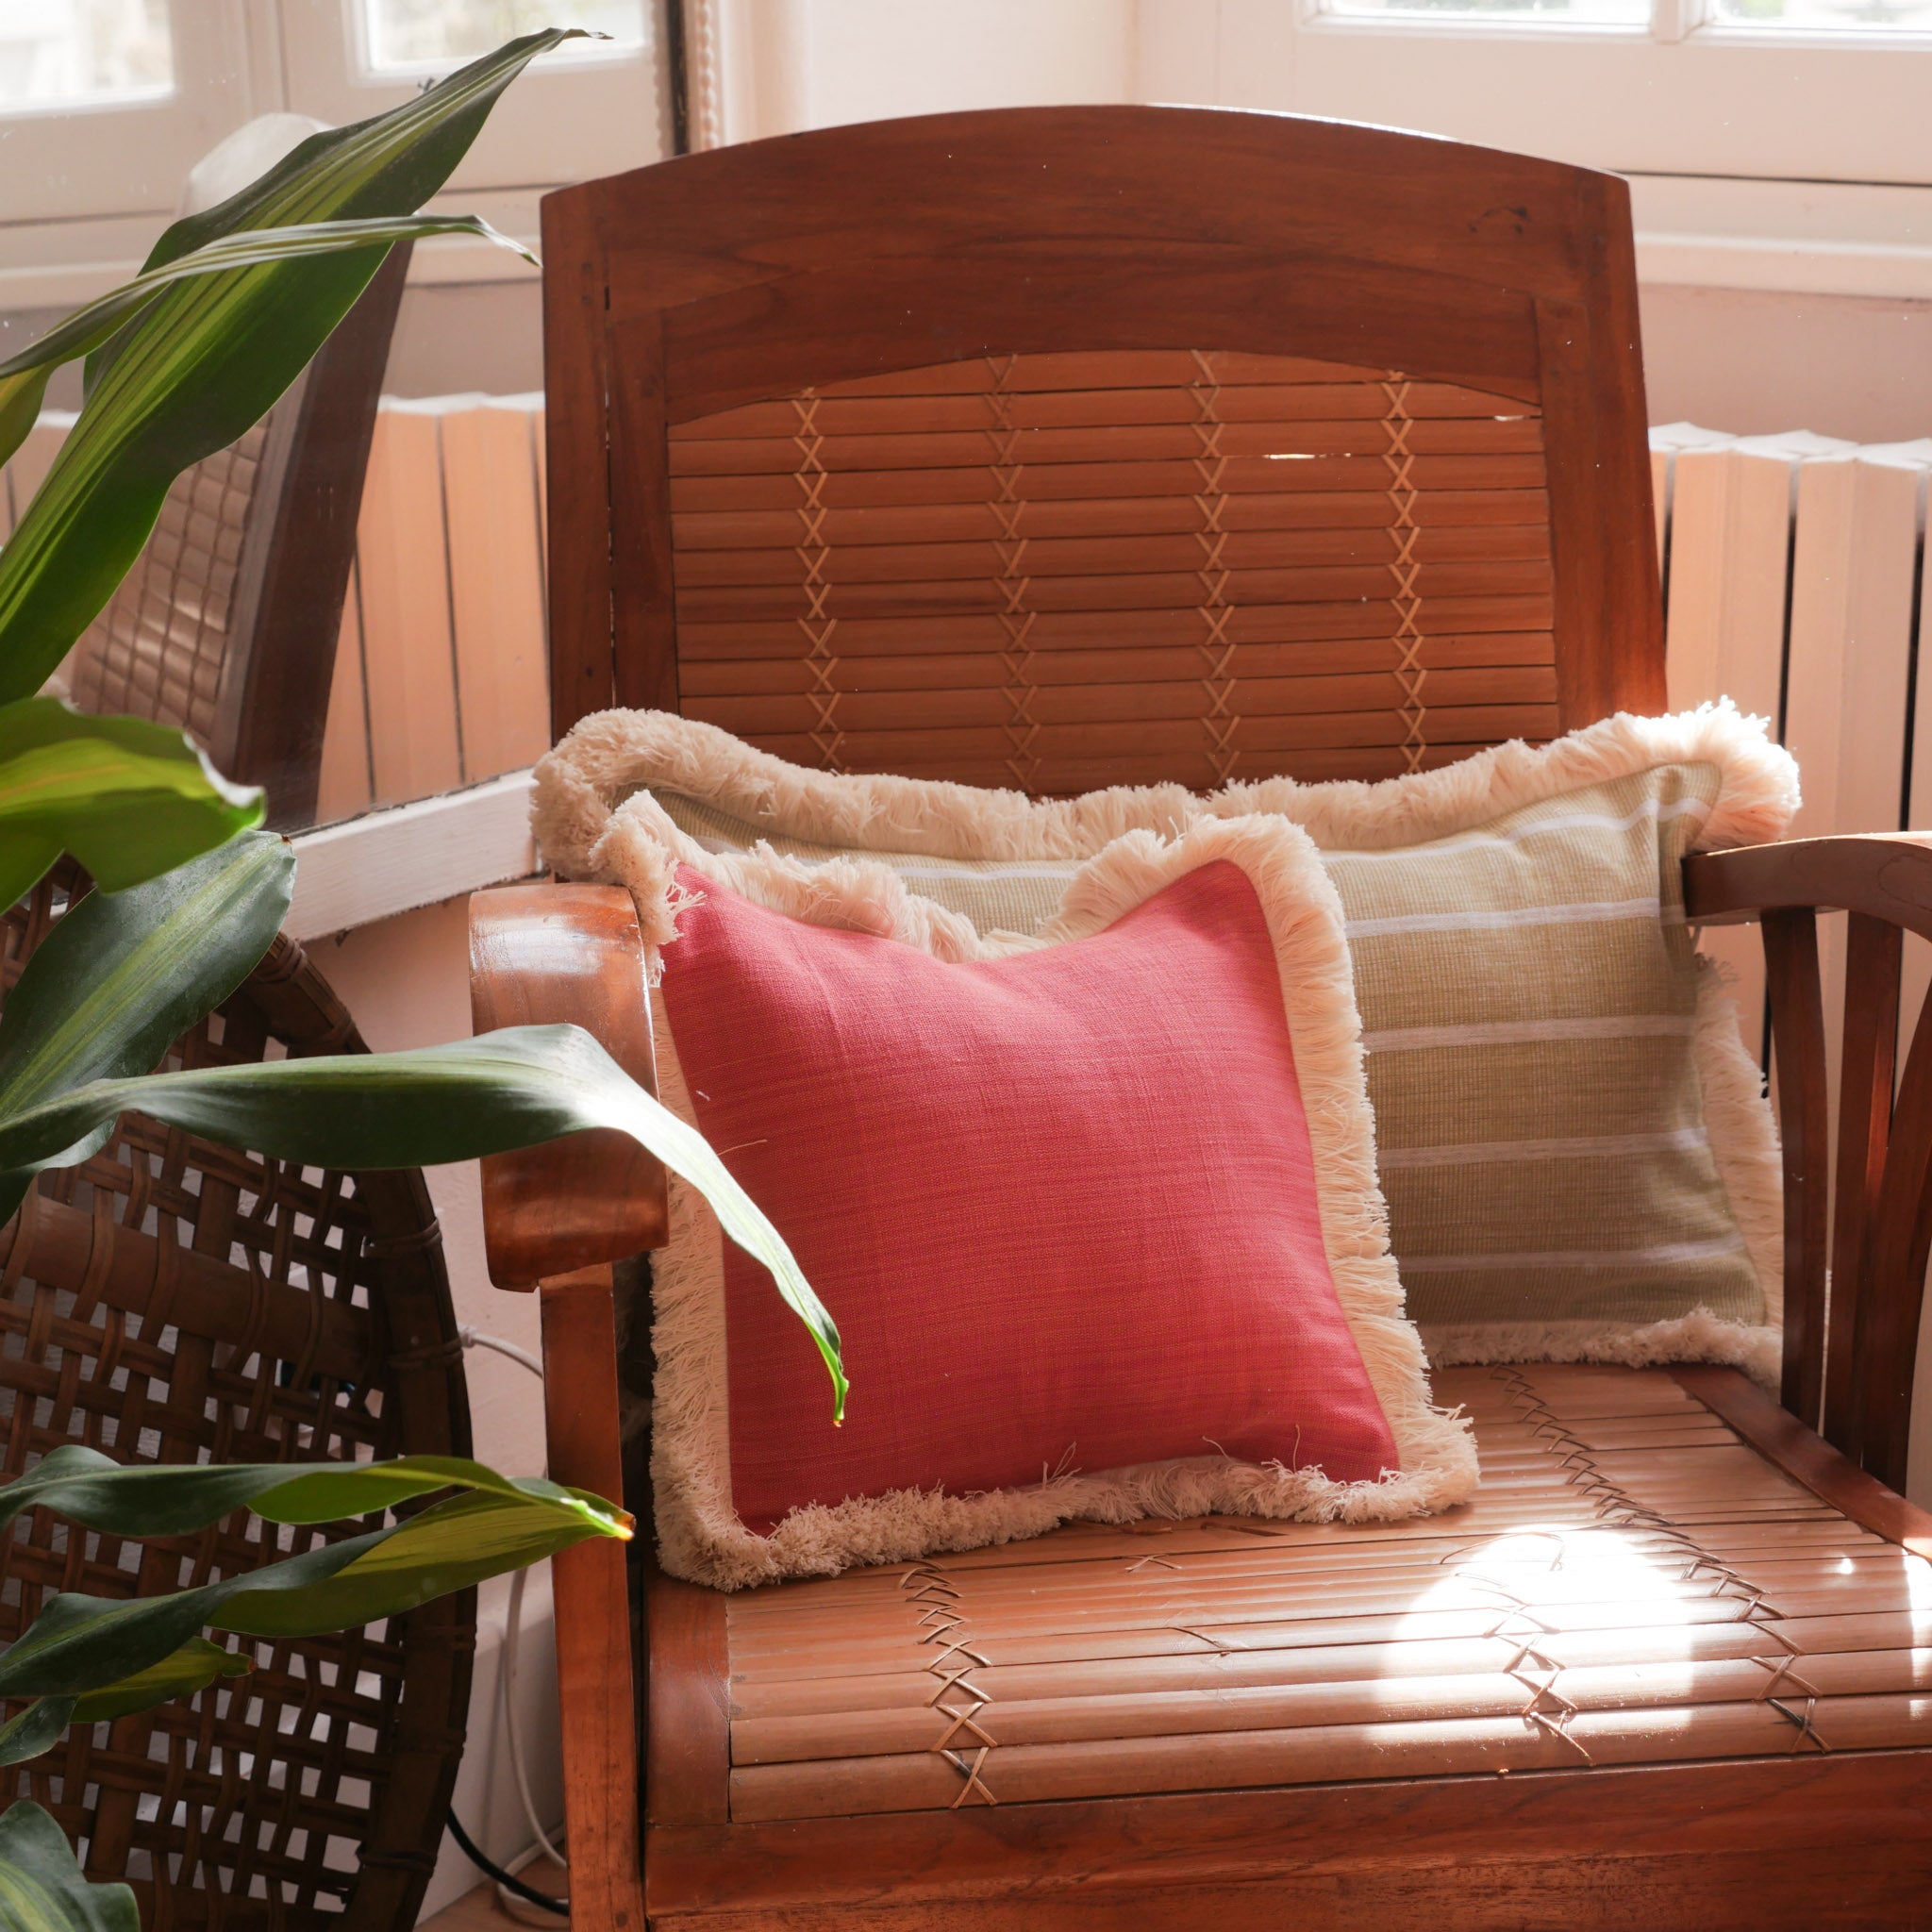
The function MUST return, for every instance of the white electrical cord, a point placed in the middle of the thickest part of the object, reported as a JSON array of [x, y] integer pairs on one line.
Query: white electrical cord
[[472, 1337]]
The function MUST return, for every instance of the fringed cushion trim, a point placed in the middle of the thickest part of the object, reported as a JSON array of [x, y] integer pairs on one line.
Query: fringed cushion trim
[[578, 786], [1698, 1337]]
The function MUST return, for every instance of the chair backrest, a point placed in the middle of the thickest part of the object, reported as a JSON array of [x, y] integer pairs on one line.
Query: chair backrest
[[226, 623], [1057, 447]]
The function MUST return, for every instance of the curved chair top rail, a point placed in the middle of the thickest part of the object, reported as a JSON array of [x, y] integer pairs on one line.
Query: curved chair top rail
[[1434, 327]]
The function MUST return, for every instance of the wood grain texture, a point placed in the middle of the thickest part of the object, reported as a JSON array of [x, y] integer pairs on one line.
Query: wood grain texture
[[1797, 1031], [1886, 874], [1812, 1461], [1859, 1822], [1042, 324], [1873, 956], [576, 487], [539, 955], [594, 1662], [1876, 1222]]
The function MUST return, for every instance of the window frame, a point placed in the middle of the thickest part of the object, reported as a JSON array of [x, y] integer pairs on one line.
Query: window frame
[[567, 118], [75, 221], [57, 167], [1723, 101]]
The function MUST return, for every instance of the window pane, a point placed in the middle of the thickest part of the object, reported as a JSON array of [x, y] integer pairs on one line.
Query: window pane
[[427, 33], [1632, 13], [59, 52], [1826, 16]]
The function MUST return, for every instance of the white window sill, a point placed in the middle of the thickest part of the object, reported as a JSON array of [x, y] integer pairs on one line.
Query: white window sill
[[409, 856], [1806, 237]]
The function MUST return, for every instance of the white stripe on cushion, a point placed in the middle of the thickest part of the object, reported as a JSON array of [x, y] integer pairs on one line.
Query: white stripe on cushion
[[1523, 1032], [1580, 1147], [1567, 821], [1672, 1254], [1496, 917]]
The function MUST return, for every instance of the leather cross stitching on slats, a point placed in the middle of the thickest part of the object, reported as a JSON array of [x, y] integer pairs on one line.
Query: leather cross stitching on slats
[[1216, 646], [1008, 506], [817, 624], [1633, 1586], [957, 1698], [1409, 672]]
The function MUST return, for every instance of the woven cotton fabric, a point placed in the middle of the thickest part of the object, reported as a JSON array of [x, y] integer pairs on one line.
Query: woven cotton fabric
[[1575, 1147], [1097, 1217], [1529, 995]]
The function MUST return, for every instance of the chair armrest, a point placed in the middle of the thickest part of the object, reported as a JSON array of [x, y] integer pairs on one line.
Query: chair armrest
[[1886, 874], [539, 955], [1861, 1217]]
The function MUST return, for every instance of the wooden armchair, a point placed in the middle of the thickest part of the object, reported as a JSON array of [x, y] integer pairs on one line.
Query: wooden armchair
[[1063, 447]]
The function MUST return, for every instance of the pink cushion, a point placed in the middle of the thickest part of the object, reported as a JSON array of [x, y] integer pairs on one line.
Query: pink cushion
[[1062, 1203]]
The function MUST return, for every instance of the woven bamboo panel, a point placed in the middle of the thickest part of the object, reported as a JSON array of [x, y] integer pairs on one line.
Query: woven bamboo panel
[[165, 647], [1062, 571], [1631, 1584], [169, 1300]]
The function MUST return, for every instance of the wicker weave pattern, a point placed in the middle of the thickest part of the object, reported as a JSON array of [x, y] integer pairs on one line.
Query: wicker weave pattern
[[172, 1300], [1061, 571], [1632, 1584], [162, 648]]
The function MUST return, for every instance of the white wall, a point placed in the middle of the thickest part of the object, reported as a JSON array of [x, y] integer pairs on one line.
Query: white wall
[[406, 981]]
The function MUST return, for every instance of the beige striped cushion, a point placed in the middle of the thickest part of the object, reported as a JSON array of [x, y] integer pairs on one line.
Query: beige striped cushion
[[1576, 1152]]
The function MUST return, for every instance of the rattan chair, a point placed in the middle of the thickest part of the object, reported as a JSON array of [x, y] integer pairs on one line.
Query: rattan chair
[[1062, 447], [172, 1300], [227, 625]]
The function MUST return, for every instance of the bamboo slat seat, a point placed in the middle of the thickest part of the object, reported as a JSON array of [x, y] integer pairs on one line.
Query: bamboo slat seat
[[1633, 1584]]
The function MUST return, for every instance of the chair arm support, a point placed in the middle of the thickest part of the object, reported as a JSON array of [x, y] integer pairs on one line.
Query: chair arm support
[[539, 955], [1858, 1215], [1886, 874]]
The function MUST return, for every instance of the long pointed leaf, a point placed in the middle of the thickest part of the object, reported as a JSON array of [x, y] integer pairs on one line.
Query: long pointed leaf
[[432, 1104], [130, 799], [464, 1541], [209, 355], [42, 1888], [79, 1644], [82, 1643], [123, 974], [37, 1729], [88, 327], [94, 1491]]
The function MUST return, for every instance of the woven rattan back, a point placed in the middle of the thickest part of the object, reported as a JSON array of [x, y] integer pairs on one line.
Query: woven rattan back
[[1075, 446], [170, 1300], [226, 623]]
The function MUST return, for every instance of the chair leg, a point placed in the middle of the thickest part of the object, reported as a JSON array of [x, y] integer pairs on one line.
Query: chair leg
[[594, 1664]]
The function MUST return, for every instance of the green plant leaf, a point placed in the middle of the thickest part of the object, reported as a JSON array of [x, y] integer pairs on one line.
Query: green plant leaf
[[42, 1888], [95, 1492], [194, 1666], [36, 1730], [87, 1643], [24, 377], [435, 1103], [208, 354], [123, 974], [128, 798], [448, 1547]]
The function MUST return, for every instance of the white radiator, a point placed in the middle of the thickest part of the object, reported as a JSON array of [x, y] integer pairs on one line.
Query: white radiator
[[1795, 572]]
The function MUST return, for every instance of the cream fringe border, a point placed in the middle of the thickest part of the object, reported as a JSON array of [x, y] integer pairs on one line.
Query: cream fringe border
[[579, 783], [584, 834], [699, 1534]]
